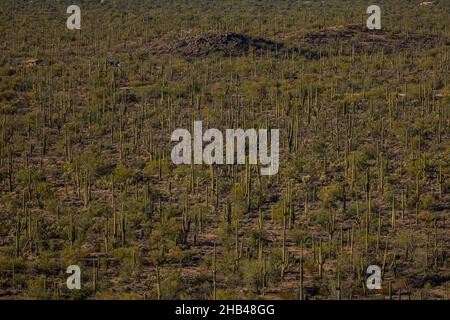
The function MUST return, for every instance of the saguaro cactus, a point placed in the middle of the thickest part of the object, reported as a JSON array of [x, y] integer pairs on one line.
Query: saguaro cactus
[[320, 259], [123, 229], [393, 215], [186, 220], [238, 248], [158, 283], [301, 280], [71, 232], [338, 285], [214, 272], [285, 255]]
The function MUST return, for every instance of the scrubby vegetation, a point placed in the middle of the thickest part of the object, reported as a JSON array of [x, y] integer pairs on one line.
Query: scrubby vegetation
[[86, 176]]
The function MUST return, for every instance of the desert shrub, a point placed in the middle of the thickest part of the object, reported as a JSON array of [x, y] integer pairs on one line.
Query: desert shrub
[[330, 194]]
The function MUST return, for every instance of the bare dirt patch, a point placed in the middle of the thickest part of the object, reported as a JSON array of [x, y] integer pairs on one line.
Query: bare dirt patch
[[226, 44], [363, 39]]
